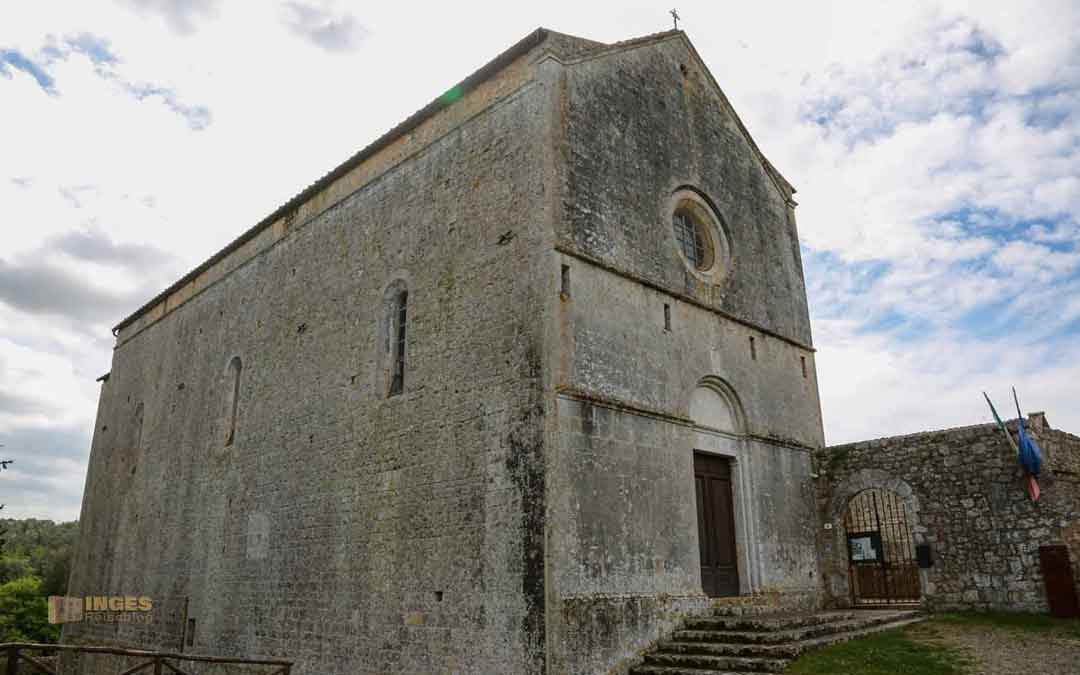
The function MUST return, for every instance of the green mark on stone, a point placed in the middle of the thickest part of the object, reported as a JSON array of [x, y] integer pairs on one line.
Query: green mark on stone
[[450, 96]]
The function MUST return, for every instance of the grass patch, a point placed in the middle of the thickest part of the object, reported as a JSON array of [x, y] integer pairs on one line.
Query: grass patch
[[891, 652], [1032, 623], [921, 649]]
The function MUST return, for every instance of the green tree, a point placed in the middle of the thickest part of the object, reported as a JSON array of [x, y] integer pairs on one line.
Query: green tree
[[24, 613], [45, 545], [34, 564], [57, 569], [14, 567]]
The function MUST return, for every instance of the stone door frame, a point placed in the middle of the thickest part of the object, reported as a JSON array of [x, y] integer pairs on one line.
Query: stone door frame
[[732, 444]]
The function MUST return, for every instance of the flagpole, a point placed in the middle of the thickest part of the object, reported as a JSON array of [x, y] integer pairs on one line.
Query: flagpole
[[1001, 425], [1029, 453]]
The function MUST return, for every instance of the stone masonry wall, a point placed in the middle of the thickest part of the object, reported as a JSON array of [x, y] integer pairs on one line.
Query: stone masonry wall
[[349, 531], [638, 123], [966, 497]]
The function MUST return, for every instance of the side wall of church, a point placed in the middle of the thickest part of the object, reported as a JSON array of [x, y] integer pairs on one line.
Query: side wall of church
[[966, 497], [344, 529], [623, 549]]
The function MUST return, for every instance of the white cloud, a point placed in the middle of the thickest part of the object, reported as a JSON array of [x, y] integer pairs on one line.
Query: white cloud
[[936, 384], [328, 28], [946, 159], [182, 16]]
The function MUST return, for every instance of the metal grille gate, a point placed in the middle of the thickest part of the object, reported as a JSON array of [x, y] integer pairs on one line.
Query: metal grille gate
[[881, 551]]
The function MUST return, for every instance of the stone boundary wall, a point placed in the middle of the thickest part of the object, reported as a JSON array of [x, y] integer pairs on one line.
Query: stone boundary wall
[[965, 495]]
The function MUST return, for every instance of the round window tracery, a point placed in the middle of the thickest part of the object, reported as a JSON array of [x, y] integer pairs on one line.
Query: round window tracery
[[699, 236], [693, 238]]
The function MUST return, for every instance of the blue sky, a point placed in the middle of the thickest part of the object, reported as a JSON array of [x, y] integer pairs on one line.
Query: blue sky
[[935, 146]]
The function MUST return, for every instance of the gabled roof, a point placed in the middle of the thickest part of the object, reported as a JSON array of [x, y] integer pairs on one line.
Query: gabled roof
[[564, 47]]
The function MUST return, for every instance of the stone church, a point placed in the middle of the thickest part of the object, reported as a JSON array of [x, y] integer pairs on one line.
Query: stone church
[[511, 390]]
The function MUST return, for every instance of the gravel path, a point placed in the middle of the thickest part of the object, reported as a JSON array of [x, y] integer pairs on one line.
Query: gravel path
[[1008, 651]]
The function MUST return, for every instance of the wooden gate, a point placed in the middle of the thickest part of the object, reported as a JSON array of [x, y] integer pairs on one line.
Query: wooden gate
[[881, 551]]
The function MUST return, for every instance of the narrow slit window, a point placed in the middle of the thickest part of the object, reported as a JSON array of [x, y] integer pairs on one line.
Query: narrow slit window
[[802, 363], [667, 316], [235, 366], [397, 381], [753, 349], [138, 424], [565, 282], [190, 632]]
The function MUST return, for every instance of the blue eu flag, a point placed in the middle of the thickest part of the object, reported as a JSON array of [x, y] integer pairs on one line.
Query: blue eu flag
[[1030, 454]]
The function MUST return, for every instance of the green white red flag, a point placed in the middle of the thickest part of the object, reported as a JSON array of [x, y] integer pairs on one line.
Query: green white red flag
[[1001, 425], [1028, 454]]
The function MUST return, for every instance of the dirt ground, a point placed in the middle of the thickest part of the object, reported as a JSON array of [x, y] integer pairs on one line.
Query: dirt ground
[[995, 650]]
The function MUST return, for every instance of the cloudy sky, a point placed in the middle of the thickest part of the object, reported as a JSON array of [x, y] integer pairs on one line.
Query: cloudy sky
[[935, 146]]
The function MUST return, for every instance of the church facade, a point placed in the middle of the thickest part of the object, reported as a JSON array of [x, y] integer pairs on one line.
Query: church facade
[[510, 390]]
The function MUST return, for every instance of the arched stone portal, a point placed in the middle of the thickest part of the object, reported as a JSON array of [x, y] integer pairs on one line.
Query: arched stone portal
[[721, 490], [712, 406]]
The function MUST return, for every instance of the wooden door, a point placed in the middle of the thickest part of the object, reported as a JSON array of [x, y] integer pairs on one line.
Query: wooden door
[[1060, 589], [716, 525]]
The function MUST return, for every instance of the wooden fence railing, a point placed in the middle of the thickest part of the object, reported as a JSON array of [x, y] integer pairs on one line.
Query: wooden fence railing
[[158, 661]]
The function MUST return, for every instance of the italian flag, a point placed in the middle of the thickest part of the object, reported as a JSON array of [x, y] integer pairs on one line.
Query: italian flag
[[1032, 484]]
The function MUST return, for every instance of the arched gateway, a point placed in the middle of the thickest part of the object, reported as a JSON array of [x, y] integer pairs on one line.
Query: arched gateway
[[881, 549]]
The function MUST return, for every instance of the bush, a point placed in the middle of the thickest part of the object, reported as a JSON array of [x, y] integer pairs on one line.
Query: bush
[[24, 612]]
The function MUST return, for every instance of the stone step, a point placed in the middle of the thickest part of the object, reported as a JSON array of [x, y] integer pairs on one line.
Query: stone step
[[917, 609], [754, 611], [764, 645], [721, 663], [780, 651], [796, 642], [796, 634], [766, 623], [667, 670], [722, 609], [818, 643]]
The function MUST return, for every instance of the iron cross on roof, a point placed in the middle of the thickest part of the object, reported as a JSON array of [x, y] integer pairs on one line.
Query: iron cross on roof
[[675, 16]]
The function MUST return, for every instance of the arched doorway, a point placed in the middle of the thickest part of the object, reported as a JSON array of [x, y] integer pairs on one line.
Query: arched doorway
[[714, 411], [881, 549]]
